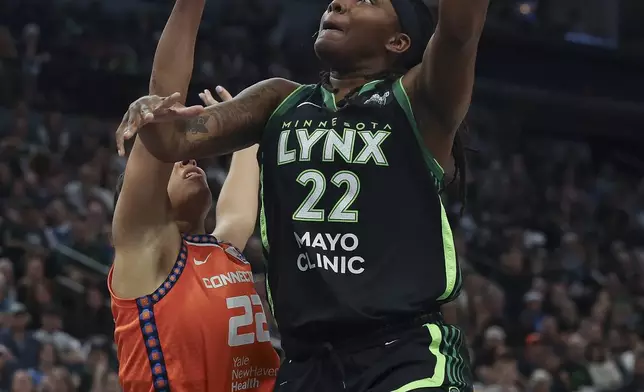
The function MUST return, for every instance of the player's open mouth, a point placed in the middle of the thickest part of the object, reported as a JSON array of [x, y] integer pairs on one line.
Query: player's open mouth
[[192, 173], [330, 26]]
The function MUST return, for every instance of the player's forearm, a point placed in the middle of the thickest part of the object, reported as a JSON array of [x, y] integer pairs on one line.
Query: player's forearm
[[226, 127], [462, 20], [237, 202], [174, 56], [172, 71]]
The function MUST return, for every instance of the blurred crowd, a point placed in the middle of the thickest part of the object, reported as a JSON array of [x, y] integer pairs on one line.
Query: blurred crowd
[[550, 242]]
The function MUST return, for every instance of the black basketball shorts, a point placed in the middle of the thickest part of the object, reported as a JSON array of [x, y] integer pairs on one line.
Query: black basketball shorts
[[427, 357]]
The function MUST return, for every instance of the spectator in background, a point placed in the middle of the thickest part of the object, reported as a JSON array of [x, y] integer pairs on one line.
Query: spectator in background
[[47, 360], [59, 224], [28, 234], [604, 373], [5, 300], [93, 318], [540, 381], [58, 380], [22, 382], [7, 44], [53, 134], [636, 384], [51, 332], [6, 271], [7, 368], [23, 346], [576, 365], [81, 191], [97, 366]]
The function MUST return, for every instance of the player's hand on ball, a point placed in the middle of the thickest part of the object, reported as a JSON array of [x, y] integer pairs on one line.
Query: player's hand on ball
[[151, 109], [209, 100]]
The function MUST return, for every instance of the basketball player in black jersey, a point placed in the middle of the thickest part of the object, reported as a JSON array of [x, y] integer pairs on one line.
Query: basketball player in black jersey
[[360, 252]]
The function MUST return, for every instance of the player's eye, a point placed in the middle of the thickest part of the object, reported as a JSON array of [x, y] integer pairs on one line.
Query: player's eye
[[371, 2]]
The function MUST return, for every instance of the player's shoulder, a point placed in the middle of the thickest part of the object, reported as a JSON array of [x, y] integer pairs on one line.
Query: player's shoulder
[[283, 87], [206, 244]]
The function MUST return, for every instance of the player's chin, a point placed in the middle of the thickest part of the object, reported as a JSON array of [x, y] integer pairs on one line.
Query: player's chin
[[198, 194], [195, 186], [329, 47]]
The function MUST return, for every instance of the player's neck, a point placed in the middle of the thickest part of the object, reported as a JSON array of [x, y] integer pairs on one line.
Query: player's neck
[[344, 81], [191, 228]]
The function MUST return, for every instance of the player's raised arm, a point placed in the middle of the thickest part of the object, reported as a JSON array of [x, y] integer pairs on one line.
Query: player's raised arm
[[220, 129], [237, 202], [144, 230], [442, 84]]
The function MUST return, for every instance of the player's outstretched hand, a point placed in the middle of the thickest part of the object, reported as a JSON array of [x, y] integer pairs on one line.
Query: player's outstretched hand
[[209, 100], [150, 109]]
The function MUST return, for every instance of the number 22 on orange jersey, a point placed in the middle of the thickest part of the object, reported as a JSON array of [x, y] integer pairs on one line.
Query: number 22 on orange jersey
[[261, 333]]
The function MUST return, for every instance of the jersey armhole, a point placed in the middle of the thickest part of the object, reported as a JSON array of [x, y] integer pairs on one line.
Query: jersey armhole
[[289, 101], [435, 169], [160, 292]]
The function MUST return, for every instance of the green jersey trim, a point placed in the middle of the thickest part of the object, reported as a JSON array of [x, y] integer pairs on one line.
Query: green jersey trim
[[329, 98], [285, 105], [452, 273], [263, 228], [451, 369], [288, 102], [264, 234], [437, 380], [403, 100], [449, 252]]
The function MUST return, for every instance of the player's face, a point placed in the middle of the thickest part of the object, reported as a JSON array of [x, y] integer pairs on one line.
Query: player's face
[[352, 30], [188, 189]]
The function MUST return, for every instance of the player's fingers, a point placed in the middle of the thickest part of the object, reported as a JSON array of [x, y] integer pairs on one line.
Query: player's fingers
[[132, 127], [146, 114], [120, 135], [169, 100], [182, 111], [223, 94], [207, 98], [137, 119]]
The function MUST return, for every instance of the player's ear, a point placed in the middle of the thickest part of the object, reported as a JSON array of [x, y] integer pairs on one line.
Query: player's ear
[[398, 43]]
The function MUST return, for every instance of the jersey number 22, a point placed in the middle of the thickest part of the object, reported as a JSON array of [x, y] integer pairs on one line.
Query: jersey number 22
[[340, 212], [246, 302]]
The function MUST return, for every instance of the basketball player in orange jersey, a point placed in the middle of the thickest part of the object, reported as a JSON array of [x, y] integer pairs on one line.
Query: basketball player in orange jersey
[[187, 316]]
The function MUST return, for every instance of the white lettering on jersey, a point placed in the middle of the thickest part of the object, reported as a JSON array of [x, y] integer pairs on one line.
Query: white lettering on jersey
[[315, 246], [233, 277], [336, 140]]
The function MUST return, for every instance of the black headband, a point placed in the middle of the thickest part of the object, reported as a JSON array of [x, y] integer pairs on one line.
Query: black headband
[[410, 25]]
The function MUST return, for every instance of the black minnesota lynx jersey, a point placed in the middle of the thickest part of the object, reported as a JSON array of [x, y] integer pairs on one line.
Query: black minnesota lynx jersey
[[352, 222]]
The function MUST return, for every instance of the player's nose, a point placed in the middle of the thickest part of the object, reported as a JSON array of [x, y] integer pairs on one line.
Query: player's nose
[[189, 162], [338, 6]]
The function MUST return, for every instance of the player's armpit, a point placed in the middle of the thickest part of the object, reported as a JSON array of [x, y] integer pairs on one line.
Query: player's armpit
[[225, 127], [143, 230], [237, 203], [441, 85]]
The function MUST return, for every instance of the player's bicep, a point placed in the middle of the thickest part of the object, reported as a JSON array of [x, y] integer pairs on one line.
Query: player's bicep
[[238, 201], [232, 125], [442, 84], [142, 207]]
